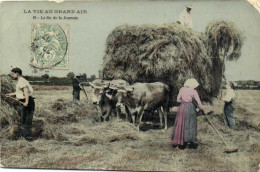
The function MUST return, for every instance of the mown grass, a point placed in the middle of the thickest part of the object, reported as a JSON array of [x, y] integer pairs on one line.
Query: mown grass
[[84, 143]]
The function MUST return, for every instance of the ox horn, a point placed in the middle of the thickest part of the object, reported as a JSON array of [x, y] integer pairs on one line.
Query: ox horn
[[122, 91], [94, 86], [113, 88], [106, 85], [129, 88], [91, 84]]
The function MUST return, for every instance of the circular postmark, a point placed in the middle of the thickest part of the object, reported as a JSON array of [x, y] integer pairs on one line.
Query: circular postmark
[[49, 45]]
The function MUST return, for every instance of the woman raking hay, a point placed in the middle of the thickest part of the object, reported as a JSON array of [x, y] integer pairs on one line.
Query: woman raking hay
[[185, 126]]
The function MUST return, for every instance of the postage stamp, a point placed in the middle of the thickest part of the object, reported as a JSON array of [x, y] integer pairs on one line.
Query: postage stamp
[[50, 46]]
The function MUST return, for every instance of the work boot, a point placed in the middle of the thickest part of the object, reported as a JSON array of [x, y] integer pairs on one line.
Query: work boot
[[193, 145]]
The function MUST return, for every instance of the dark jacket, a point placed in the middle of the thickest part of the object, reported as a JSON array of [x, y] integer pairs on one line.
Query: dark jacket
[[75, 83]]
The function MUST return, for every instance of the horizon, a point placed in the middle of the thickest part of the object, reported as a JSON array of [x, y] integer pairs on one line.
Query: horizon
[[88, 76]]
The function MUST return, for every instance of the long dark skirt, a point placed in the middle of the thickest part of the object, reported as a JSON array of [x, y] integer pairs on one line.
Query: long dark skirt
[[229, 116], [185, 126]]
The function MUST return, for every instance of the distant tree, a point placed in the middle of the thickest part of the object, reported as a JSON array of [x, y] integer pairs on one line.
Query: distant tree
[[251, 82], [27, 77], [45, 76], [258, 84], [70, 75], [92, 78], [240, 82]]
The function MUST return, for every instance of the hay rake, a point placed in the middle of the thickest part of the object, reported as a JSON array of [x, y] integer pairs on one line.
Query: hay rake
[[228, 149]]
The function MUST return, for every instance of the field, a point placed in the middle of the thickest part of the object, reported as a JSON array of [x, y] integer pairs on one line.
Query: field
[[74, 139]]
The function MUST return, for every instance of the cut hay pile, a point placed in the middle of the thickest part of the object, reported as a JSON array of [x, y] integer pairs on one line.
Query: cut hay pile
[[170, 53], [65, 113], [9, 112], [114, 131]]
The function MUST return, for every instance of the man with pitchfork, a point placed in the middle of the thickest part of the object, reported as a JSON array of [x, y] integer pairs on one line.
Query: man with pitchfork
[[23, 94]]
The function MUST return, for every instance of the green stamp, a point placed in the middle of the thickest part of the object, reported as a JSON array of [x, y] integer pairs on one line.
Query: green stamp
[[50, 46]]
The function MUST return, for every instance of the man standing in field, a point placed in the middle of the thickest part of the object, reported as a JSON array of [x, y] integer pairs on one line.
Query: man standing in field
[[185, 17], [229, 107], [76, 88], [24, 93]]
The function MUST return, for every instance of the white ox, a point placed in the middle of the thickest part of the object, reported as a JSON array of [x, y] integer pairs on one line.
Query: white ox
[[141, 97]]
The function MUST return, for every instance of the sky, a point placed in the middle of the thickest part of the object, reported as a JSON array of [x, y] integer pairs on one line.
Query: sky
[[88, 34]]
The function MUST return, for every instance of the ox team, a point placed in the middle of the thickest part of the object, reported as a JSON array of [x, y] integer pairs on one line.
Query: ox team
[[117, 97]]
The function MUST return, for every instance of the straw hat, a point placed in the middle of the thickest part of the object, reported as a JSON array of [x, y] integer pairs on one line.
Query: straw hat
[[192, 83], [189, 6]]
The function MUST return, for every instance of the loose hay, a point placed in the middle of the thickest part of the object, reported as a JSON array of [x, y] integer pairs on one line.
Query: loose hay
[[122, 137], [61, 119], [13, 132], [67, 162], [59, 106], [19, 150], [51, 134], [170, 53], [112, 131], [37, 127], [85, 141], [74, 131]]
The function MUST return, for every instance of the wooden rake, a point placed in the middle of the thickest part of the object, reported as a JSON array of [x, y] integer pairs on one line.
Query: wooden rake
[[228, 149]]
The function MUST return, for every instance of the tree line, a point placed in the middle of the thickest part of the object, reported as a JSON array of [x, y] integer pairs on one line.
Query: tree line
[[53, 80], [47, 80]]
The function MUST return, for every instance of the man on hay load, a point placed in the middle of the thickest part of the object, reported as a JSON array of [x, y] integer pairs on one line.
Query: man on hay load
[[23, 94], [185, 17]]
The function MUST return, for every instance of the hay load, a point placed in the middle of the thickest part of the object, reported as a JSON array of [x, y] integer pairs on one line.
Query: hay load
[[224, 42], [224, 36], [170, 53]]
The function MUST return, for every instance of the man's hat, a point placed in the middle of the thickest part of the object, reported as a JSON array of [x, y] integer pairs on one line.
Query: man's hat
[[189, 6]]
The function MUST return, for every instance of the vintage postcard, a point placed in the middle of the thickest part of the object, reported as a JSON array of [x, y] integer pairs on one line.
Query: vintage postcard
[[142, 85]]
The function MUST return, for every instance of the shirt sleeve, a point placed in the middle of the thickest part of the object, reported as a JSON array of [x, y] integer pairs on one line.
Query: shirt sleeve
[[23, 84], [190, 21], [181, 18], [197, 98]]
